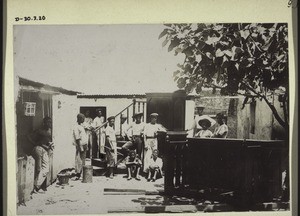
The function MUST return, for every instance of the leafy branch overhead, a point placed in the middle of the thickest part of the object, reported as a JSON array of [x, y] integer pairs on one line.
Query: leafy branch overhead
[[227, 55], [248, 58]]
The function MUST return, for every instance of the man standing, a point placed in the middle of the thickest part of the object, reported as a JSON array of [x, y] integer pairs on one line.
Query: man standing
[[98, 121], [88, 121], [42, 141], [80, 140], [135, 135], [195, 126], [111, 146], [150, 136]]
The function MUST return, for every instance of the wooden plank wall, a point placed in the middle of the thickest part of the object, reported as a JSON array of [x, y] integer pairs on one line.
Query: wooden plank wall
[[25, 178]]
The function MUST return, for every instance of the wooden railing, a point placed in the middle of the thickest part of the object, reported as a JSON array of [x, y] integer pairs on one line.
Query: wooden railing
[[249, 170], [137, 106]]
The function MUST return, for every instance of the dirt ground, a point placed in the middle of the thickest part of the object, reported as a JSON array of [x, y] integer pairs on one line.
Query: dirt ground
[[103, 195]]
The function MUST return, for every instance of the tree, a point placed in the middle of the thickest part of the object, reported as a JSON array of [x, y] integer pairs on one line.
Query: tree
[[249, 59]]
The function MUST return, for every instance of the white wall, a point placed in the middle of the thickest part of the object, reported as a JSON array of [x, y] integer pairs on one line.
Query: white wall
[[189, 115], [64, 119], [264, 120]]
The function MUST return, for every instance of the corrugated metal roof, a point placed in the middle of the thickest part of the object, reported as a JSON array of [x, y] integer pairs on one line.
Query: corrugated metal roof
[[45, 87], [111, 95]]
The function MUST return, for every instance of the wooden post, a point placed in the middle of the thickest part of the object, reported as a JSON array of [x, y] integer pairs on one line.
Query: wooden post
[[143, 106], [121, 124], [127, 115], [169, 168], [133, 106], [175, 142], [87, 174]]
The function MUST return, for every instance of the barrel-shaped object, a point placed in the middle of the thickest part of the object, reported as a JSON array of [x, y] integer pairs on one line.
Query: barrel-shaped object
[[87, 174]]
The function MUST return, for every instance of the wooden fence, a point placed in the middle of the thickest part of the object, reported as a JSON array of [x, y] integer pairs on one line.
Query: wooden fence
[[248, 170], [25, 177]]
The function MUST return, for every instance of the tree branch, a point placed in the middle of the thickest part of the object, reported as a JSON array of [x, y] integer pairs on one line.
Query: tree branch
[[274, 111]]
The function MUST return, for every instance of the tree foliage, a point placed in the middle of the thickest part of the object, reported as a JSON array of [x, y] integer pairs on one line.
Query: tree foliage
[[240, 58]]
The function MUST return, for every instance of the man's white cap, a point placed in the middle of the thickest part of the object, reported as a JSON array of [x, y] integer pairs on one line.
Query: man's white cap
[[200, 106]]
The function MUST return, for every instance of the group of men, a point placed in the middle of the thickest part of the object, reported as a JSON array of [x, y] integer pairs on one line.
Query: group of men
[[139, 136]]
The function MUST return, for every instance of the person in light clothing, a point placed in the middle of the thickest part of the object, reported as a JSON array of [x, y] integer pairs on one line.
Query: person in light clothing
[[155, 166], [222, 130], [98, 121], [42, 141], [111, 146], [204, 132], [80, 140], [135, 132], [88, 126], [195, 126], [150, 137]]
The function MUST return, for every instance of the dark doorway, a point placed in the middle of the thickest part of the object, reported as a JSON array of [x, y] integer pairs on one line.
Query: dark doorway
[[92, 110], [93, 147]]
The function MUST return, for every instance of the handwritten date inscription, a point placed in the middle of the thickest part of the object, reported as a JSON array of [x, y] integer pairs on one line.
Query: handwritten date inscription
[[30, 18]]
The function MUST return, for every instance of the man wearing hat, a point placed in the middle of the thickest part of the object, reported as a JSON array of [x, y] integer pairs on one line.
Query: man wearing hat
[[196, 127], [150, 137], [204, 132], [80, 140], [135, 132], [111, 145], [98, 121]]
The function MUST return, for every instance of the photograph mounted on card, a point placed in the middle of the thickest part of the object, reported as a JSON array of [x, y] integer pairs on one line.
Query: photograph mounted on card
[[139, 118]]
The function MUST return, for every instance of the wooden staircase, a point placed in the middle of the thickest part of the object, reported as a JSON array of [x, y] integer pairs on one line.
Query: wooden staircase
[[99, 164]]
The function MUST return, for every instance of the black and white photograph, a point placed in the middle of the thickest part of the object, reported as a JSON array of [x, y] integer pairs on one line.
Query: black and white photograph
[[152, 118]]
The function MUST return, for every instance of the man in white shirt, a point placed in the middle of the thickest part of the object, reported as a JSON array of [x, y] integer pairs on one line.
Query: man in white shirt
[[135, 132], [150, 136], [88, 126], [111, 145], [98, 121], [80, 140], [155, 166]]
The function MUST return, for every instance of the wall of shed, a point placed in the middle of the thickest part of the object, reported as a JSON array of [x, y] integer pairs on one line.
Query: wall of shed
[[266, 126], [64, 120]]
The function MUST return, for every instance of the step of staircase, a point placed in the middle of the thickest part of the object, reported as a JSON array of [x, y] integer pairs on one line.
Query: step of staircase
[[100, 167], [97, 162], [99, 171]]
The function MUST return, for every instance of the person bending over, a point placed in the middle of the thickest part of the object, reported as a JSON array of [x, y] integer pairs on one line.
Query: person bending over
[[133, 165]]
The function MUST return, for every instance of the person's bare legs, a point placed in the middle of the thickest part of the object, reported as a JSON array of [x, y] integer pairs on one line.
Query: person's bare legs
[[129, 173], [149, 175], [138, 174], [154, 176], [111, 172]]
